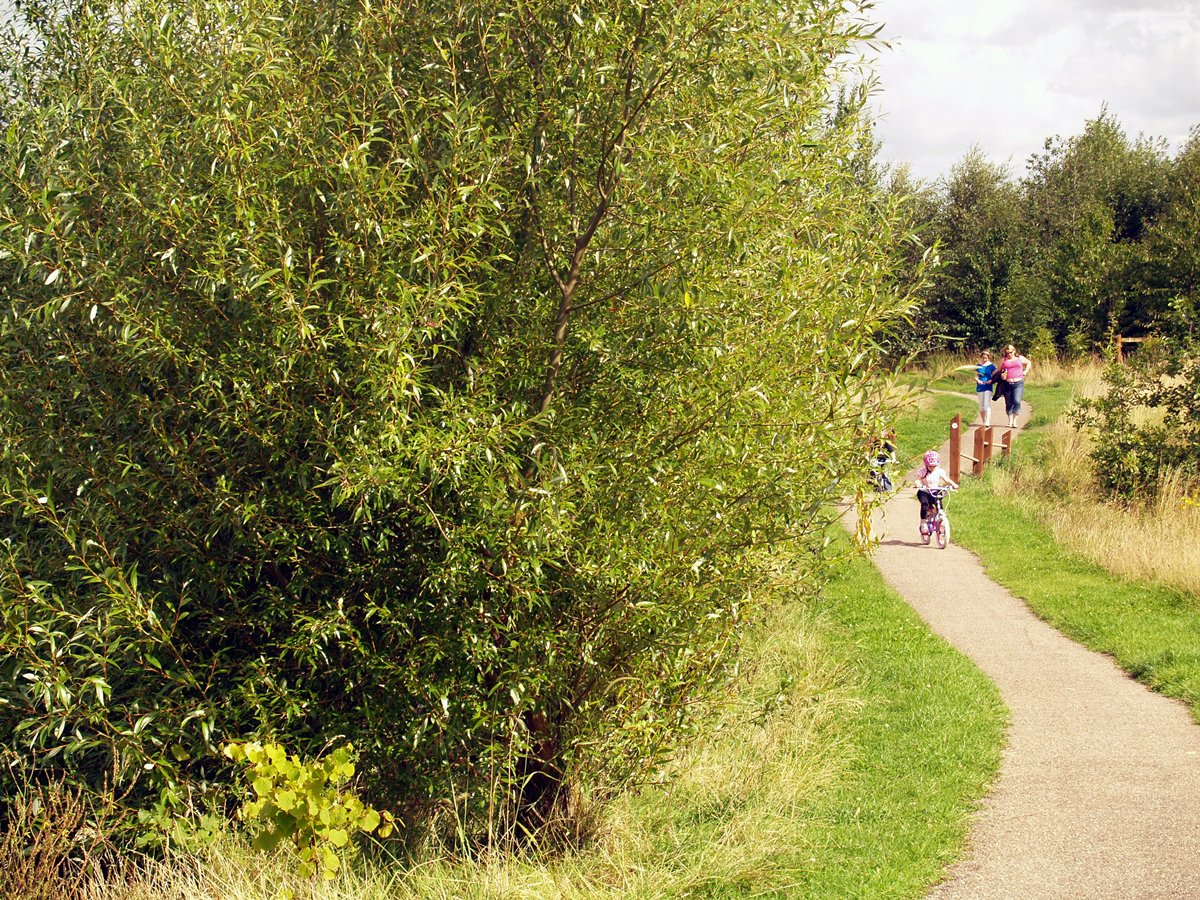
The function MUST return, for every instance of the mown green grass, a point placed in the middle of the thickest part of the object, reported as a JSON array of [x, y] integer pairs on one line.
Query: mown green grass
[[1048, 402], [1152, 632], [925, 746], [917, 739]]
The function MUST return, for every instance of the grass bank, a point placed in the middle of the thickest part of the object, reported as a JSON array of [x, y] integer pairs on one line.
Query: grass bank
[[1153, 632], [927, 744], [845, 764], [1104, 575]]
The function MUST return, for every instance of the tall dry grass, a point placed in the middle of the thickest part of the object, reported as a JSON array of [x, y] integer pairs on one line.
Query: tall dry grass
[[941, 364], [1085, 374], [1154, 540], [54, 844]]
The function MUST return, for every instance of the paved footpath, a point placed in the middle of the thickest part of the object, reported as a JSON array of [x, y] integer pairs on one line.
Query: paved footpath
[[1098, 795]]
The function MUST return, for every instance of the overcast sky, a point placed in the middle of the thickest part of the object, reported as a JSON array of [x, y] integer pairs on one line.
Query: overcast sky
[[1007, 74]]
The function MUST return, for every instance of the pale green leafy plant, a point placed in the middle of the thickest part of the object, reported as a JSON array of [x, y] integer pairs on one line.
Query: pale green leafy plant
[[306, 803]]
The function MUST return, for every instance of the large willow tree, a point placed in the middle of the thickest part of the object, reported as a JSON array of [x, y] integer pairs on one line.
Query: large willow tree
[[439, 376]]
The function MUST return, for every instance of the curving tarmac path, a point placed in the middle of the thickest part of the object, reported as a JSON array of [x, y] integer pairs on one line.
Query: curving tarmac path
[[1098, 795]]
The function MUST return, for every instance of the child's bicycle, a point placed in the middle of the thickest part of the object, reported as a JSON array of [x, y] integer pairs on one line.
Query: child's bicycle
[[937, 523], [880, 479]]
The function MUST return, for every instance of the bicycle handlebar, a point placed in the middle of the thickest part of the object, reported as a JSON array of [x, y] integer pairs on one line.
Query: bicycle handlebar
[[936, 492]]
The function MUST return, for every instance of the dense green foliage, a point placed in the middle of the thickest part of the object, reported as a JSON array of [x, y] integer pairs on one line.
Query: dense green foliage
[[1097, 238], [976, 226], [1146, 424], [432, 376]]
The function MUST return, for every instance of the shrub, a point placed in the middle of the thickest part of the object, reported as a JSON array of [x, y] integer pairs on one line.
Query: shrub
[[307, 804], [1146, 424], [429, 376]]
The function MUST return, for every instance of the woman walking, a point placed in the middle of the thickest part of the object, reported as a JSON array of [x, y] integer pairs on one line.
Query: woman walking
[[1013, 369]]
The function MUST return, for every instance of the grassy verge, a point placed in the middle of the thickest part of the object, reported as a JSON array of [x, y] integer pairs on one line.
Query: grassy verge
[[860, 784], [1152, 632], [845, 765], [926, 745], [1049, 400]]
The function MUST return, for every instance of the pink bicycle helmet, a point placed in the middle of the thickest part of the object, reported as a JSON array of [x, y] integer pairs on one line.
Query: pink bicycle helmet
[[932, 460]]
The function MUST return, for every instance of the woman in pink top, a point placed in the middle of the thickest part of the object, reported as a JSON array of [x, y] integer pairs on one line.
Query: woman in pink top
[[1013, 369]]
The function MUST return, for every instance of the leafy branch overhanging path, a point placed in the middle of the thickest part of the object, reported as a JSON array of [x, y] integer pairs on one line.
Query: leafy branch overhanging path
[[1099, 787]]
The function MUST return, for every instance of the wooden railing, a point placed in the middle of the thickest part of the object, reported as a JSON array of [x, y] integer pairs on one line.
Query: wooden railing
[[1120, 342], [986, 443]]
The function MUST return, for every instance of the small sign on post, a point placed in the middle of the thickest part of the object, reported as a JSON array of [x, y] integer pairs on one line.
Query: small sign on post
[[955, 446]]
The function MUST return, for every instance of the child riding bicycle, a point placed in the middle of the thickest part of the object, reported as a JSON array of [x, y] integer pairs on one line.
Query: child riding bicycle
[[883, 455], [932, 477]]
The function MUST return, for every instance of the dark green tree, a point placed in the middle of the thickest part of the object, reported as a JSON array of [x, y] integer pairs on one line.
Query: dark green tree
[[1090, 199], [1169, 263], [976, 225]]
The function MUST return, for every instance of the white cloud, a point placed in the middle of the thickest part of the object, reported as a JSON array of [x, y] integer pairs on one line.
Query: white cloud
[[1007, 74]]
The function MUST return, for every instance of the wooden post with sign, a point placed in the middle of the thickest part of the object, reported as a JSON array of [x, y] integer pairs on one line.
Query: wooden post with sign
[[955, 446]]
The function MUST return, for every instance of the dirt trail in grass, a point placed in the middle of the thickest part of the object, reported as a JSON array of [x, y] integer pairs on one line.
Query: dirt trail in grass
[[1099, 789]]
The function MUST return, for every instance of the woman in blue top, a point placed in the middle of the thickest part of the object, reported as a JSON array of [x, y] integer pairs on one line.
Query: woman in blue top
[[984, 373]]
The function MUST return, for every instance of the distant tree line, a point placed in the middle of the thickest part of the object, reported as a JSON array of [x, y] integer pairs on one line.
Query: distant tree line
[[1098, 237]]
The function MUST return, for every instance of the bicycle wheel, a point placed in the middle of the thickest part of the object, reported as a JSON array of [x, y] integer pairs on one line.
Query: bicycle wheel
[[943, 532]]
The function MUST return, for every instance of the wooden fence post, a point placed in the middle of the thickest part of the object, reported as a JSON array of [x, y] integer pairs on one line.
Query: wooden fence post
[[955, 446], [980, 459], [1006, 442], [1121, 341]]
